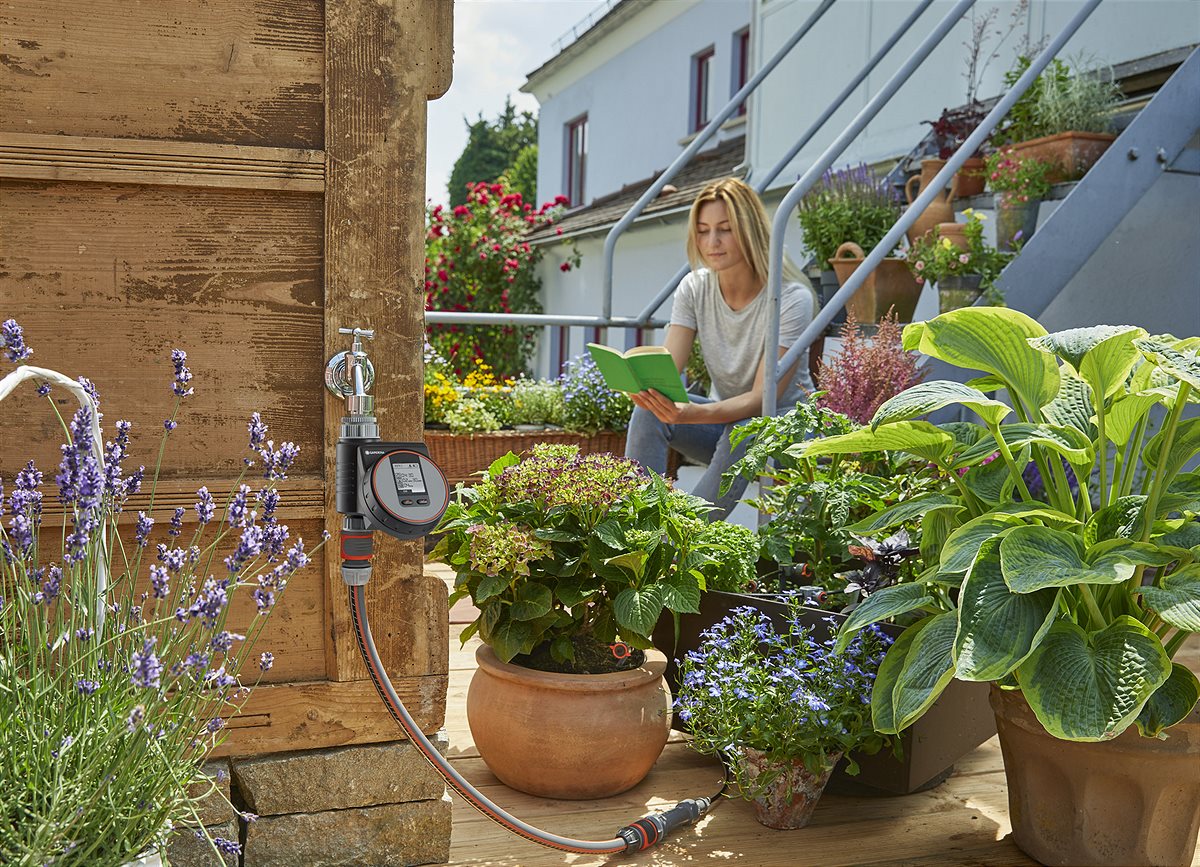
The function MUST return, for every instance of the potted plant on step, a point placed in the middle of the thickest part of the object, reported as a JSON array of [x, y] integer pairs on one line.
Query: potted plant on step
[[1019, 183], [779, 707], [1063, 574], [964, 269], [848, 214], [570, 559]]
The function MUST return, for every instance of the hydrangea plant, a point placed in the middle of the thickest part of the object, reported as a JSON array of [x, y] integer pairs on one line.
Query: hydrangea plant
[[117, 668]]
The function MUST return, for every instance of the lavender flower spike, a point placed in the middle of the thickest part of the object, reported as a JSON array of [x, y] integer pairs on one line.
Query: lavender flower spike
[[182, 375], [14, 341]]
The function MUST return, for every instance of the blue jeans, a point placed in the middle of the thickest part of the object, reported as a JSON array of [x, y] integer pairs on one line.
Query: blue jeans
[[648, 440]]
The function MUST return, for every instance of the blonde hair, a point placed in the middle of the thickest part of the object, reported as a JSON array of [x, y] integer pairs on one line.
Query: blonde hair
[[750, 226]]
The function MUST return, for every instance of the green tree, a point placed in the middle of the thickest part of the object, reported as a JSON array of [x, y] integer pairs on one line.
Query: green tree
[[521, 176], [492, 147]]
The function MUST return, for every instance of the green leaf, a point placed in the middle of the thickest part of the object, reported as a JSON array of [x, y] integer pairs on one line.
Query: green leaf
[[1124, 414], [1138, 553], [885, 603], [994, 340], [563, 649], [914, 673], [965, 433], [962, 547], [632, 562], [491, 585], [1035, 558], [1184, 445], [1038, 511], [1184, 367], [1171, 702], [550, 534], [912, 335], [681, 593], [919, 438], [936, 527], [1187, 535], [997, 628], [610, 533], [500, 464], [925, 397], [903, 512], [637, 610], [987, 383], [533, 601], [1091, 687], [1072, 406], [1103, 355], [1176, 598], [509, 638], [1120, 519], [1072, 444]]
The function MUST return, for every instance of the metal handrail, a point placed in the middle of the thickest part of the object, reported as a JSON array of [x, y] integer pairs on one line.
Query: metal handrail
[[973, 142], [610, 241], [761, 185]]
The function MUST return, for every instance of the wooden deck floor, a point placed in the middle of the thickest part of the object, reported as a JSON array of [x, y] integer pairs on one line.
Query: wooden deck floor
[[962, 821]]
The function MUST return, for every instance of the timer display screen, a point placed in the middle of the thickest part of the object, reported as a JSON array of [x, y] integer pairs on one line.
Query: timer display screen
[[409, 479]]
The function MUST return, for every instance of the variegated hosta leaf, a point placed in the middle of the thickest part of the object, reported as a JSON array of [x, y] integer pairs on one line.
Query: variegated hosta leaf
[[992, 340], [1171, 702], [1184, 445], [1037, 511], [1072, 406], [1121, 519], [987, 383], [1035, 558], [885, 603], [1184, 366], [1125, 413], [1092, 686], [965, 433], [904, 511], [914, 673], [962, 547], [1103, 355], [997, 628], [1072, 444], [1185, 535], [918, 438], [1176, 598], [925, 397], [1130, 551], [992, 482]]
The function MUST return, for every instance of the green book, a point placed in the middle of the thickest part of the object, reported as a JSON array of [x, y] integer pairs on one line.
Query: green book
[[638, 369]]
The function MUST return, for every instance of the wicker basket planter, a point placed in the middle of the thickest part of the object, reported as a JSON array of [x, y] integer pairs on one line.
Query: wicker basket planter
[[463, 456]]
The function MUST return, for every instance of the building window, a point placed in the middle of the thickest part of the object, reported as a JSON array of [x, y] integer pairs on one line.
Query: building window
[[741, 64], [576, 161], [701, 84]]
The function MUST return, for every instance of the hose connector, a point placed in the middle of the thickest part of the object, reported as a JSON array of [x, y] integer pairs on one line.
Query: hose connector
[[648, 831]]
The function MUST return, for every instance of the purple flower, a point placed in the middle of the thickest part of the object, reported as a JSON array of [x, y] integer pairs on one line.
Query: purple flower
[[205, 507], [266, 660], [14, 341], [158, 582], [228, 847], [51, 588], [277, 463], [114, 454], [135, 717], [223, 641], [268, 498], [85, 634], [296, 558], [86, 687], [142, 534], [182, 375], [274, 537], [170, 424], [219, 678], [172, 558], [263, 598], [249, 546], [144, 667], [209, 603], [43, 389], [214, 725], [258, 432], [176, 527], [237, 507]]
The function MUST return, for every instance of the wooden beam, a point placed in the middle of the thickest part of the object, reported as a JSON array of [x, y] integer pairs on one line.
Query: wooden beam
[[375, 119], [321, 714], [159, 163]]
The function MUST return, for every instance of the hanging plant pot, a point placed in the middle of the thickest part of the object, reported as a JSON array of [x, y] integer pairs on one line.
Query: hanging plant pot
[[1016, 220], [571, 736], [958, 291], [890, 286], [788, 801], [1130, 800], [1071, 153]]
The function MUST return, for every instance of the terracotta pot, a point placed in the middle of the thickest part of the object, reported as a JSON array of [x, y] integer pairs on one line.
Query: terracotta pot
[[1131, 800], [571, 736], [789, 800], [970, 179], [1071, 153], [956, 292], [890, 285], [956, 232], [940, 210]]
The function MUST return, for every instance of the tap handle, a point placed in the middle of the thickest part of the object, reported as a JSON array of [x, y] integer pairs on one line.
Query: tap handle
[[368, 333]]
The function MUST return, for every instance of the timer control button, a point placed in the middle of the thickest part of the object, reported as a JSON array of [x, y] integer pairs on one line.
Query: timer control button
[[423, 501], [406, 502]]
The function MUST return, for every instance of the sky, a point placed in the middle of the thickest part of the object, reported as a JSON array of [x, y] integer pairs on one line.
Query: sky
[[497, 43]]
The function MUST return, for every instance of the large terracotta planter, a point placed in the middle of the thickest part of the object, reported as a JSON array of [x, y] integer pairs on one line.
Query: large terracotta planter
[[971, 178], [1071, 153], [1131, 800], [789, 800], [940, 210], [890, 285], [571, 736]]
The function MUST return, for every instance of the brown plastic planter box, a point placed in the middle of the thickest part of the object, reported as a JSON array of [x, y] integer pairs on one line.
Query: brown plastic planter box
[[958, 722]]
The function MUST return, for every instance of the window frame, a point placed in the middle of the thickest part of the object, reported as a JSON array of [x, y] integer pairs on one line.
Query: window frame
[[701, 89], [740, 68], [575, 175]]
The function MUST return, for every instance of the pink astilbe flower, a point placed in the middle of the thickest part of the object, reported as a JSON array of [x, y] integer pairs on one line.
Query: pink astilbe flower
[[868, 370]]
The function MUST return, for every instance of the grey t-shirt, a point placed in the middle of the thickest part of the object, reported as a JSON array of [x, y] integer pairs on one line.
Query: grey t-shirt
[[732, 340]]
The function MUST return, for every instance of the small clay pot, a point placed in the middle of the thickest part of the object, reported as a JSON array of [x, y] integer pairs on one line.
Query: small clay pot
[[970, 179], [789, 800], [956, 232]]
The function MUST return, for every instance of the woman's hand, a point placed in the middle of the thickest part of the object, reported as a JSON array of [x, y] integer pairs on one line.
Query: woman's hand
[[664, 409]]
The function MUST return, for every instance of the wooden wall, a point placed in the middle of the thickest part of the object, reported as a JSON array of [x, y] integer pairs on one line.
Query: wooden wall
[[238, 179]]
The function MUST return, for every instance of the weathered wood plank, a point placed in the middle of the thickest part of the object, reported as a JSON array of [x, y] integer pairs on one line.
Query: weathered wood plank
[[306, 716], [375, 134], [130, 161], [107, 280], [229, 71]]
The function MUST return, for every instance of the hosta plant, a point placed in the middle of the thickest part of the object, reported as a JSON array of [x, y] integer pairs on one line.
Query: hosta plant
[[564, 554], [1079, 590]]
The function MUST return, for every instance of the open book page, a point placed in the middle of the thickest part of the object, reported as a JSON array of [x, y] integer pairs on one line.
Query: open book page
[[639, 369]]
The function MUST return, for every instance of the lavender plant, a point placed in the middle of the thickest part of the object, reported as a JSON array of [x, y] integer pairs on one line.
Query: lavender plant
[[786, 695], [117, 668], [850, 205]]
